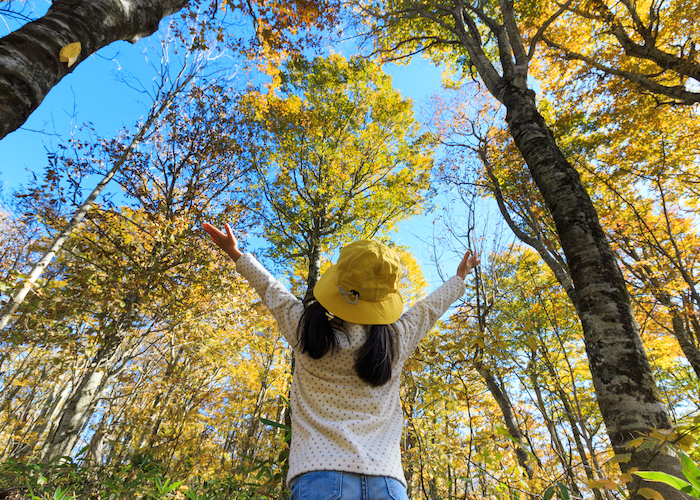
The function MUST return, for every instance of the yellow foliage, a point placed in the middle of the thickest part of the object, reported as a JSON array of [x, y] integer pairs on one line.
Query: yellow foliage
[[650, 494]]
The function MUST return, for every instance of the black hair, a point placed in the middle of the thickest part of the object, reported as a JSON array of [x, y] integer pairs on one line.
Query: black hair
[[315, 333], [376, 356], [374, 359]]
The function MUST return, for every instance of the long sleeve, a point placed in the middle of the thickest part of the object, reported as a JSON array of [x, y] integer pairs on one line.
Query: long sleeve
[[417, 321], [339, 422], [284, 307]]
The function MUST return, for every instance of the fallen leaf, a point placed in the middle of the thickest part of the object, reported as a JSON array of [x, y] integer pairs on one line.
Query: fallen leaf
[[69, 54], [650, 494]]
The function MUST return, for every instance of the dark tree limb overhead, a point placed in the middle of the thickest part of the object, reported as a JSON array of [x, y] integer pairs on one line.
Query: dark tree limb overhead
[[29, 57]]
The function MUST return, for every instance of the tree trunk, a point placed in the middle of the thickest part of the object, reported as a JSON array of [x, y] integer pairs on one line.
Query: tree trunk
[[314, 269], [559, 450], [50, 410], [574, 424], [82, 403], [155, 420], [624, 385], [79, 409], [254, 423], [508, 417], [646, 274], [408, 445], [691, 352], [95, 453], [155, 112], [29, 57]]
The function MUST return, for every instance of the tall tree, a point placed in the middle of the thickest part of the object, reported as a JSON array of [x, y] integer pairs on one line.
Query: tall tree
[[340, 158], [487, 40], [165, 93], [37, 56], [196, 162]]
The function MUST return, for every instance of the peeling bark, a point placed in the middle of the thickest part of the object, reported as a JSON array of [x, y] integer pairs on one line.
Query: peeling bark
[[29, 57]]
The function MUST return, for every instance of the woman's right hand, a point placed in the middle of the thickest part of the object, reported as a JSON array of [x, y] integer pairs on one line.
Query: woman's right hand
[[225, 241], [469, 262]]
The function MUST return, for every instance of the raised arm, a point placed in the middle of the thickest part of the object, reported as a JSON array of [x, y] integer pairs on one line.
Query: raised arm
[[285, 307], [418, 320], [225, 241]]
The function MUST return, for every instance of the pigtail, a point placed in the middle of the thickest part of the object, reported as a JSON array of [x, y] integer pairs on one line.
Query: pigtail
[[315, 333], [375, 358]]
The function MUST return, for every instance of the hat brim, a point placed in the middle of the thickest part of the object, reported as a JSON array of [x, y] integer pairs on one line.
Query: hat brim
[[363, 312]]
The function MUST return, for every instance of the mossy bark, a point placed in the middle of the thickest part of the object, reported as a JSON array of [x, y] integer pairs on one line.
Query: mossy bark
[[625, 389]]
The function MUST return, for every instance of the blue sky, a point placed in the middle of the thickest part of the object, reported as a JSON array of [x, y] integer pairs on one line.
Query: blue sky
[[92, 93]]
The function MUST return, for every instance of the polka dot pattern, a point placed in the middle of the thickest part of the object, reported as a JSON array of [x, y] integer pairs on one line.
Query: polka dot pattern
[[339, 422]]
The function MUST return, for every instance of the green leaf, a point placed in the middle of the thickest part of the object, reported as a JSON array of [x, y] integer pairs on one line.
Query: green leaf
[[167, 488], [274, 424], [690, 470], [563, 490], [60, 494], [548, 493], [673, 481]]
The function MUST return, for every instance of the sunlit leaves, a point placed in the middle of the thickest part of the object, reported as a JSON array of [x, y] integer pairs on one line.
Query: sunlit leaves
[[341, 156]]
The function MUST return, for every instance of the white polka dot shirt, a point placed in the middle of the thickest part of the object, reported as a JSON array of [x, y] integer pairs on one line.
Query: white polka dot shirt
[[339, 422]]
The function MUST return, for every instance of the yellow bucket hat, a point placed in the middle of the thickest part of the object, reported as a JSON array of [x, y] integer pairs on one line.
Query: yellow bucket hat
[[363, 286]]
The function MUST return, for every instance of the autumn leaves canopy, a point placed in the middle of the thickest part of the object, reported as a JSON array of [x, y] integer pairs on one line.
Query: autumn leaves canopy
[[596, 173]]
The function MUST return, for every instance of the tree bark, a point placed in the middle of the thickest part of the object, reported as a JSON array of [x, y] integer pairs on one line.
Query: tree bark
[[82, 403], [625, 388], [508, 416], [47, 416], [29, 57], [622, 377], [78, 410]]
